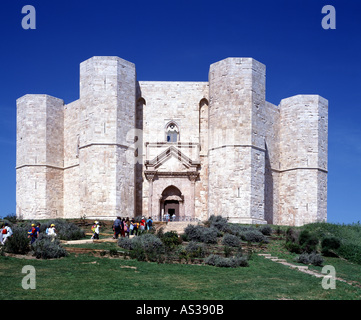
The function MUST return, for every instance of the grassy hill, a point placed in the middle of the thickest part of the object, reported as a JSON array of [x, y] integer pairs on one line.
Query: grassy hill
[[105, 276]]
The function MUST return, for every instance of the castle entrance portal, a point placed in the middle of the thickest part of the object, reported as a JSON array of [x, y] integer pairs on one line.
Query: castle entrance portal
[[171, 203]]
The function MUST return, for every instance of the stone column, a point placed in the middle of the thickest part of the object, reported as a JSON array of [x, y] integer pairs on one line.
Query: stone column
[[192, 177], [150, 177]]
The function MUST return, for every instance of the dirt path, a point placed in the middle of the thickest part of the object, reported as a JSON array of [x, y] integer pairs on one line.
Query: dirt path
[[305, 269]]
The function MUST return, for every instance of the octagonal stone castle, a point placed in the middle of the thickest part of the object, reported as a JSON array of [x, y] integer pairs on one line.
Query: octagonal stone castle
[[194, 149]]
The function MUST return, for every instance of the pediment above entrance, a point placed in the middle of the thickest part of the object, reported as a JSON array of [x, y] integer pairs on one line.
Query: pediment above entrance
[[171, 160]]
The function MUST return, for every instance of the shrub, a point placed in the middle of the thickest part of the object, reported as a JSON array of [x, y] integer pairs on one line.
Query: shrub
[[303, 258], [10, 218], [292, 235], [144, 247], [18, 243], [231, 240], [218, 222], [329, 244], [228, 251], [212, 260], [171, 239], [195, 250], [253, 236], [151, 244], [201, 234], [125, 243], [48, 248], [65, 230], [308, 241], [266, 230], [310, 258], [293, 247], [218, 261], [316, 259]]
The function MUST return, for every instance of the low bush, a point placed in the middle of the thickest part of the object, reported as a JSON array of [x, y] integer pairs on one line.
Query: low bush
[[308, 241], [125, 243], [253, 236], [301, 241], [231, 240], [67, 230], [48, 248], [218, 222], [10, 218], [310, 258], [293, 247], [201, 234], [292, 235], [145, 247], [195, 250], [171, 239], [329, 245], [218, 261], [266, 230]]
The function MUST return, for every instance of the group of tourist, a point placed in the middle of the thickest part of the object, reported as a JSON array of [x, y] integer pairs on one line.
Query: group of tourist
[[168, 217], [124, 227], [34, 231]]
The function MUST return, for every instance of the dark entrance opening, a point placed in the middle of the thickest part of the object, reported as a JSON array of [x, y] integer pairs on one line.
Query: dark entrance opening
[[172, 208]]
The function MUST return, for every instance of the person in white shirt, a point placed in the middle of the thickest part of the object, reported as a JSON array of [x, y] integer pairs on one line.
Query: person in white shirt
[[6, 234], [52, 230]]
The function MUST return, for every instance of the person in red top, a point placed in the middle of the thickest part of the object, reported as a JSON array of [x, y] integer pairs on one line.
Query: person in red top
[[32, 233], [142, 224]]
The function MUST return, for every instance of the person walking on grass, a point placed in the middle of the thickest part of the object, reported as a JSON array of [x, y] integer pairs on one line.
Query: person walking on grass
[[131, 227], [96, 230], [126, 227], [123, 228], [6, 232], [52, 231], [142, 225], [117, 227], [32, 233]]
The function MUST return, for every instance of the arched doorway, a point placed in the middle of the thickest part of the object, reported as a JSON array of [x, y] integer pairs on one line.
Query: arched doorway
[[171, 203]]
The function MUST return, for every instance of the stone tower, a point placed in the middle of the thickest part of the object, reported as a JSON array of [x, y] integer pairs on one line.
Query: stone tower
[[107, 94], [302, 160], [39, 156], [236, 140]]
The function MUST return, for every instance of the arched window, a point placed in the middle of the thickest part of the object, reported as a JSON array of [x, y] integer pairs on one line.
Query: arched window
[[172, 132]]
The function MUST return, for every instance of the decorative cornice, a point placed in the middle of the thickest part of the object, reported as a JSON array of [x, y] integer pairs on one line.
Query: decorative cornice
[[47, 166], [192, 175], [299, 168], [238, 146], [106, 144]]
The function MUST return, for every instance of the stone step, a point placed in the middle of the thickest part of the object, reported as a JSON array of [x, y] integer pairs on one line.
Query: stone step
[[178, 226]]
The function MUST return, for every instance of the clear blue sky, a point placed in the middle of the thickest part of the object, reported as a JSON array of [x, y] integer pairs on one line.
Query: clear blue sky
[[178, 40]]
